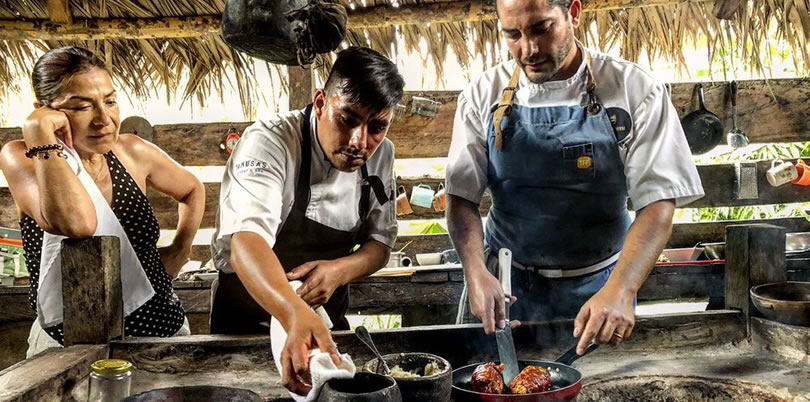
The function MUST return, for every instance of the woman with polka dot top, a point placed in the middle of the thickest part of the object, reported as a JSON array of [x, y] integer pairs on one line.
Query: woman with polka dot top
[[76, 103]]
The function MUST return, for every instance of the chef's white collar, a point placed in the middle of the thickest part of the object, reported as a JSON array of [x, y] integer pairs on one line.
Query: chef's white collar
[[575, 79]]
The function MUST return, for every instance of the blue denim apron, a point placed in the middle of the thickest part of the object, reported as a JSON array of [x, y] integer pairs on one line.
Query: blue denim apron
[[559, 196], [559, 200]]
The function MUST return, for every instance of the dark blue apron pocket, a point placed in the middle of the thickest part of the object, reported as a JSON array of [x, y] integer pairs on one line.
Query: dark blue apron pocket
[[578, 160]]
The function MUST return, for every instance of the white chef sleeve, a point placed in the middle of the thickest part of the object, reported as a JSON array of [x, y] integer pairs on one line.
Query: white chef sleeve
[[658, 163], [251, 196], [466, 171]]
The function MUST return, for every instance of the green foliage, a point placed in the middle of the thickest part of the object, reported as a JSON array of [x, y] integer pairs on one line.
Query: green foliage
[[750, 212], [765, 152], [423, 227], [384, 321], [791, 150]]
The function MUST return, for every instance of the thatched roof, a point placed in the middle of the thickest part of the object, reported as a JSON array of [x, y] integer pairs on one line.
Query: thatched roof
[[157, 66]]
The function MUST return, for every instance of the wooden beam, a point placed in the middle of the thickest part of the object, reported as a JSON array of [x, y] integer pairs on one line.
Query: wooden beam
[[683, 235], [469, 11], [688, 234], [50, 376], [302, 84], [423, 13], [98, 29], [767, 112], [198, 26], [754, 257], [718, 184], [59, 11], [460, 344], [91, 290]]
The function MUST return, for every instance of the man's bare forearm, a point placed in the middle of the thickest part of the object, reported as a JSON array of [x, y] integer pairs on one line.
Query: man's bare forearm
[[371, 256], [262, 274], [646, 238], [467, 233]]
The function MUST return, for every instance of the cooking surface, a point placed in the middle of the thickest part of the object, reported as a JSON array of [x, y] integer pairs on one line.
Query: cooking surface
[[741, 363], [782, 365]]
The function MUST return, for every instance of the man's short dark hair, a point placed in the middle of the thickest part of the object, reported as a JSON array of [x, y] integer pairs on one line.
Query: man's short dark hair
[[367, 78], [563, 4]]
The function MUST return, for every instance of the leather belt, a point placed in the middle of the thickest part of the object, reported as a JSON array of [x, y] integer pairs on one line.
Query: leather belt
[[568, 273]]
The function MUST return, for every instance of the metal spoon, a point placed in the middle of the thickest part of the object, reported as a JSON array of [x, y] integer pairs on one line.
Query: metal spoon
[[364, 336]]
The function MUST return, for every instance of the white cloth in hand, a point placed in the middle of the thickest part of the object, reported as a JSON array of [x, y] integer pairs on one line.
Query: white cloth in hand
[[323, 369], [321, 366]]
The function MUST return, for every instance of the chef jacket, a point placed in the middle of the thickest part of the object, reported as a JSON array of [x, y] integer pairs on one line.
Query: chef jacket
[[259, 185], [657, 162]]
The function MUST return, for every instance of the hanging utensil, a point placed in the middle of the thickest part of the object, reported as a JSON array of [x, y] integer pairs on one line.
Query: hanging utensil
[[736, 138], [703, 129], [506, 344], [364, 336]]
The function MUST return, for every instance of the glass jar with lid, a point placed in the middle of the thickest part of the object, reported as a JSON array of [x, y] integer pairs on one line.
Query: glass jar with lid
[[110, 380]]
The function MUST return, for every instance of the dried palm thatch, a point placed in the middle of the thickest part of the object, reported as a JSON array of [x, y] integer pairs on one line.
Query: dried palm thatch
[[184, 68], [189, 69]]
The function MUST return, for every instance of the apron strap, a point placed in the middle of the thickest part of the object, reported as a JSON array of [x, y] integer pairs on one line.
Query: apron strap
[[505, 105], [371, 183], [594, 105], [302, 192], [365, 191]]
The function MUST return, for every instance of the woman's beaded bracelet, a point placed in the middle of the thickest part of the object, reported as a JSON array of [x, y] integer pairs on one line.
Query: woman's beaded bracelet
[[44, 151]]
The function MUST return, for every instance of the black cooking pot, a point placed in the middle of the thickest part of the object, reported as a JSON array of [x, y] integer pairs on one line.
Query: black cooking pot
[[436, 387], [364, 387]]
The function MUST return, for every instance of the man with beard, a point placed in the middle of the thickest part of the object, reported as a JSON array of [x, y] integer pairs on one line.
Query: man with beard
[[301, 191], [561, 136]]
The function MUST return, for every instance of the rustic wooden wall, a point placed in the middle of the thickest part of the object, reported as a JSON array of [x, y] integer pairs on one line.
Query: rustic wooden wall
[[772, 111], [768, 112]]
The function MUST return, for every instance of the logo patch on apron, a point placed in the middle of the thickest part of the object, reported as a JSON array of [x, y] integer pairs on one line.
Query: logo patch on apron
[[584, 162], [578, 160]]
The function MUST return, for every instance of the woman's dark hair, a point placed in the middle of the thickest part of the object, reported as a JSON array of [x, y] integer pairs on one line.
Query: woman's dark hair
[[57, 66], [367, 78]]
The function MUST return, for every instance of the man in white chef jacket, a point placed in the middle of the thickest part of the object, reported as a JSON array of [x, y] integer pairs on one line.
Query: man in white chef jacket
[[561, 137], [301, 191]]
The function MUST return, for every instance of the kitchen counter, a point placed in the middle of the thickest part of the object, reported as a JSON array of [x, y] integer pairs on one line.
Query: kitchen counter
[[710, 345]]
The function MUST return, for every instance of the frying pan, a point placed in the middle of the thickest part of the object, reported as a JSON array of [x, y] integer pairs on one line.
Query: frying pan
[[703, 128], [566, 381]]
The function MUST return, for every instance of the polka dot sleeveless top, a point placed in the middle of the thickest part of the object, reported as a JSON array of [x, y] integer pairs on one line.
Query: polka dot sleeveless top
[[162, 315]]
